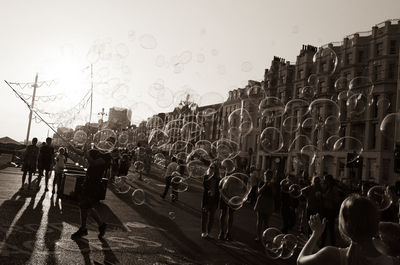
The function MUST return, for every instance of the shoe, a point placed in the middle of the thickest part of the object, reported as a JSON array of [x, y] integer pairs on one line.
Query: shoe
[[204, 235], [228, 237], [80, 233], [102, 230], [221, 236]]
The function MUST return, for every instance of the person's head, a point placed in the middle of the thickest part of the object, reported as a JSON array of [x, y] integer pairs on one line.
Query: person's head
[[328, 180], [48, 140], [34, 141], [358, 219], [213, 169], [61, 150], [316, 181], [173, 159], [268, 174]]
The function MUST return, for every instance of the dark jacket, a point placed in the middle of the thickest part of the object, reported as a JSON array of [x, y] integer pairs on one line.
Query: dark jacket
[[211, 191]]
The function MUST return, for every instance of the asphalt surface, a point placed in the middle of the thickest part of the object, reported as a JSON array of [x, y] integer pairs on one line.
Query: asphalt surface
[[36, 226]]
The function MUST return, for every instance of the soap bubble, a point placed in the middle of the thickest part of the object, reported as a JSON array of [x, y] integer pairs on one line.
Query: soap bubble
[[224, 148], [296, 107], [138, 166], [191, 131], [356, 104], [123, 138], [178, 183], [234, 189], [285, 184], [383, 103], [322, 108], [157, 137], [295, 191], [196, 169], [362, 84], [350, 145], [148, 41], [198, 154], [105, 140], [329, 56], [271, 140], [308, 92], [308, 126], [330, 142], [332, 125], [298, 143], [388, 125], [291, 124], [271, 107], [204, 144], [341, 84], [80, 137], [228, 165], [288, 246], [240, 118], [121, 186], [138, 197], [268, 236], [172, 215], [381, 196]]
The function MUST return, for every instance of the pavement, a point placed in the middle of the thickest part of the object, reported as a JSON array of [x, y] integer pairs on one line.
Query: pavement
[[36, 226]]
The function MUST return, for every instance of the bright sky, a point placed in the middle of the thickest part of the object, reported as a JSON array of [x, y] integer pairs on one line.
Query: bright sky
[[147, 54]]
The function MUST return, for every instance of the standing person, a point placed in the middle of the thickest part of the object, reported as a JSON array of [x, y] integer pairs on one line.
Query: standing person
[[40, 159], [358, 224], [265, 204], [254, 185], [330, 208], [313, 196], [59, 167], [210, 200], [225, 218], [47, 161], [288, 207], [173, 166], [29, 162], [92, 191]]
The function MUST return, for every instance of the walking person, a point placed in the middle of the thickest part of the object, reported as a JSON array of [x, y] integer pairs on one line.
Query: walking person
[[47, 161], [40, 166], [29, 162], [330, 209], [92, 191], [210, 199], [59, 167], [254, 185], [265, 204], [173, 166], [313, 196]]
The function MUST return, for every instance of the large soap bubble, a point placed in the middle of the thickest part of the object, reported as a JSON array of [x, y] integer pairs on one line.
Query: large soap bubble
[[105, 140], [224, 148], [271, 140], [228, 165], [80, 137], [271, 107], [241, 119], [138, 197], [288, 246], [234, 189], [356, 104], [196, 169], [388, 126], [349, 144], [178, 183], [328, 56], [381, 196]]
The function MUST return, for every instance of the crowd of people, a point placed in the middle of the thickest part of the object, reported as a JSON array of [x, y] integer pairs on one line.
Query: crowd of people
[[321, 210]]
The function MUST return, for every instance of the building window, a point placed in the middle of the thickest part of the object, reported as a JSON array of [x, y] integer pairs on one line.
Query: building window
[[373, 136], [392, 49], [379, 49], [349, 58], [360, 56], [392, 71], [377, 72]]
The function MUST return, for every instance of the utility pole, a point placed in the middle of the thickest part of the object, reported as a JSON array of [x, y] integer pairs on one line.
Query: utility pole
[[35, 85]]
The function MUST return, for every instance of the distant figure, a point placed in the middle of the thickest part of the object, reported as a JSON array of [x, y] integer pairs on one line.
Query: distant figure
[[254, 185], [47, 161], [265, 204], [29, 162], [358, 224], [61, 159], [173, 166], [40, 166], [92, 191], [209, 203], [313, 196]]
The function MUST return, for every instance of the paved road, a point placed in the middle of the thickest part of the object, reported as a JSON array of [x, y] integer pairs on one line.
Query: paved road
[[35, 228]]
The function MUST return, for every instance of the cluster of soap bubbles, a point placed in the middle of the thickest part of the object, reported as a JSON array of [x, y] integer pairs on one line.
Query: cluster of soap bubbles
[[278, 245]]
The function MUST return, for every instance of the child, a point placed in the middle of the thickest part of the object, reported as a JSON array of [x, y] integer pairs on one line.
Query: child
[[59, 169]]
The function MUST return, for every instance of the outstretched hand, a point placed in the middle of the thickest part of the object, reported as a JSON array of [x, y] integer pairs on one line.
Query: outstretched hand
[[316, 225]]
